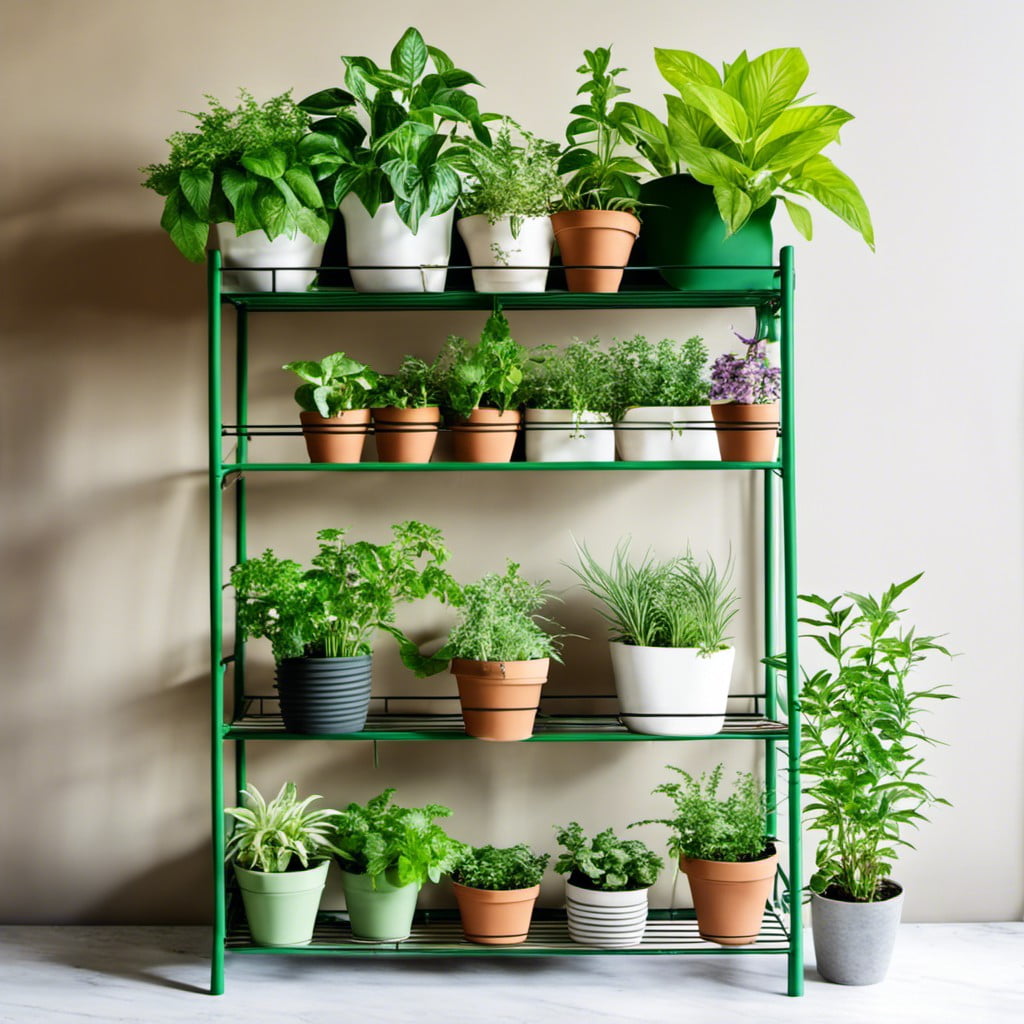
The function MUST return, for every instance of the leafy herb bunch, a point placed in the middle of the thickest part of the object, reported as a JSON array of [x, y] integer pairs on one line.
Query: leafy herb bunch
[[579, 377], [705, 827], [402, 843], [861, 736], [748, 379], [605, 862], [401, 150], [500, 869], [333, 385], [415, 385], [281, 834], [662, 373], [674, 602], [334, 608], [246, 165]]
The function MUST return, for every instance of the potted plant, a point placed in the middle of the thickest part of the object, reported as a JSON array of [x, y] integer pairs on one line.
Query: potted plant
[[505, 206], [660, 404], [595, 226], [406, 411], [482, 384], [861, 737], [745, 393], [568, 394], [722, 848], [321, 621], [280, 851], [668, 621], [398, 183], [747, 138], [496, 890], [386, 853], [334, 399], [247, 171], [606, 891]]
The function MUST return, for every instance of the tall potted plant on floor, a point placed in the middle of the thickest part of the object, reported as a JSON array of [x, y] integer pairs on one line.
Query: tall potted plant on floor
[[387, 853], [861, 752], [595, 222], [406, 411], [280, 850], [745, 392], [668, 621], [321, 621], [723, 850], [496, 890], [393, 171], [247, 170], [607, 885]]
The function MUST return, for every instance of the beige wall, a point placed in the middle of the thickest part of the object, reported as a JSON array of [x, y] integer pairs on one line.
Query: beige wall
[[103, 734]]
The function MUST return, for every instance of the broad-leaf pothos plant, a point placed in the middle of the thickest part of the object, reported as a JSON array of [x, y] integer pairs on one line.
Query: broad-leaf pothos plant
[[400, 150], [749, 134], [333, 385]]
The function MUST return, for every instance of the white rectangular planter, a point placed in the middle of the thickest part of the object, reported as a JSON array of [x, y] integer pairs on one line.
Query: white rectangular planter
[[556, 437], [677, 433]]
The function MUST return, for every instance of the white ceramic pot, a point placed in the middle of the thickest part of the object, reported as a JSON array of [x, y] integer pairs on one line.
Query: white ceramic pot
[[385, 240], [254, 249], [556, 437], [493, 245], [677, 433], [671, 691], [609, 920]]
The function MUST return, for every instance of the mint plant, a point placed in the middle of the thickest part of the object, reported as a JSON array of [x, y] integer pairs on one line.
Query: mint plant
[[246, 165], [500, 869], [605, 863], [666, 373], [403, 843], [333, 385], [707, 827], [279, 835], [747, 379], [861, 735]]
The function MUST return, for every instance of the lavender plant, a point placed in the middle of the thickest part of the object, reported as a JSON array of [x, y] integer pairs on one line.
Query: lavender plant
[[747, 379]]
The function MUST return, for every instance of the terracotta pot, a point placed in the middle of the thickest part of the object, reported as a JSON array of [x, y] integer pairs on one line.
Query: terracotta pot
[[729, 898], [601, 238], [405, 435], [747, 433], [487, 436], [337, 438], [499, 698], [495, 918]]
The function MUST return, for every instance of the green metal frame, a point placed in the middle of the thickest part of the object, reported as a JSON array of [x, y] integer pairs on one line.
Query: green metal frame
[[779, 560]]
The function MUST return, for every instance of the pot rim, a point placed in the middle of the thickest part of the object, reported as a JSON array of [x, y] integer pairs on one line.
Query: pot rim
[[858, 903]]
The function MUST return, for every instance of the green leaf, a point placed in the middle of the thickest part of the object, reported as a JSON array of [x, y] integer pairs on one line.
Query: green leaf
[[801, 218], [326, 102], [442, 62], [821, 179], [770, 83], [187, 231], [303, 185], [681, 68], [734, 205], [409, 57], [273, 213], [307, 370], [197, 186], [267, 163], [726, 112]]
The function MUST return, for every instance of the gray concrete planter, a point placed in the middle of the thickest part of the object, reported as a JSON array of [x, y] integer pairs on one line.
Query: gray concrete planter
[[853, 941]]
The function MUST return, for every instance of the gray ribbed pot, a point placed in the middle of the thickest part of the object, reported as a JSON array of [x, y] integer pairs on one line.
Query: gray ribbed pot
[[324, 695], [853, 941]]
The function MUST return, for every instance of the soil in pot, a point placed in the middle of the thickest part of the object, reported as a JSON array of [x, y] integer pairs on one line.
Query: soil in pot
[[495, 917], [320, 696], [730, 897], [378, 910], [405, 435], [281, 907], [746, 433], [336, 438], [592, 239], [500, 698], [487, 436]]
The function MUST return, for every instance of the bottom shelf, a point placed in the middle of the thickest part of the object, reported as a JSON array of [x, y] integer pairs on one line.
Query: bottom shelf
[[438, 933]]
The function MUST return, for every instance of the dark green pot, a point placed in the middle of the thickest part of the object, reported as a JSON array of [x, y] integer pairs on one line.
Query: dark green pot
[[683, 226]]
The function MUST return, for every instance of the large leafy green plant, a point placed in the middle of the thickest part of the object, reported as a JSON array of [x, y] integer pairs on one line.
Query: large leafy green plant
[[500, 869], [281, 834], [707, 827], [249, 166], [400, 150], [860, 738], [352, 590], [605, 862], [333, 385], [603, 176], [749, 134], [658, 373], [402, 843]]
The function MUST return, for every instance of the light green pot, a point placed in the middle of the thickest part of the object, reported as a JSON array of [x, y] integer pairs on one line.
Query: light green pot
[[281, 908], [378, 910]]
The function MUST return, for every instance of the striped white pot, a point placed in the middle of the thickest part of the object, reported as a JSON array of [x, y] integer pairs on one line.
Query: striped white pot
[[674, 433], [552, 435], [609, 920]]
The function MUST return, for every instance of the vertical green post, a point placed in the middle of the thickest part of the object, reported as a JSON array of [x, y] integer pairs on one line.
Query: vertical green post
[[770, 697], [216, 625], [242, 419], [796, 937]]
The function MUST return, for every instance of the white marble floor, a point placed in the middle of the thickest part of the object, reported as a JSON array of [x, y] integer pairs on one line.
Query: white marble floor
[[967, 973]]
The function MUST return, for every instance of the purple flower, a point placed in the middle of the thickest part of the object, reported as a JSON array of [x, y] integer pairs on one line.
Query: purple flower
[[748, 379]]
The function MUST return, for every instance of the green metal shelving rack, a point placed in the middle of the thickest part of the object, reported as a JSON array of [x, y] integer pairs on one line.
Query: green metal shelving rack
[[436, 933]]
